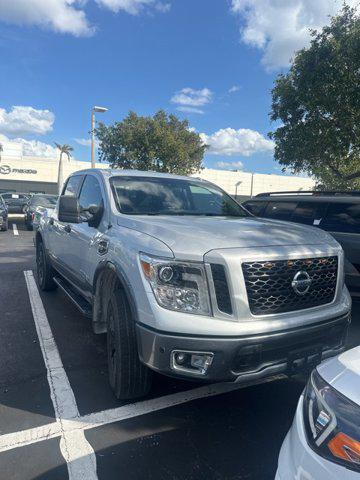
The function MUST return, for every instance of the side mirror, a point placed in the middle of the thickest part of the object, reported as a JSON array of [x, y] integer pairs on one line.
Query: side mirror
[[69, 210], [96, 213]]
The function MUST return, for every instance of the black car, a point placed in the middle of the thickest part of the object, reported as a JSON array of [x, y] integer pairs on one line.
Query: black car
[[336, 212], [37, 203], [4, 222], [16, 202]]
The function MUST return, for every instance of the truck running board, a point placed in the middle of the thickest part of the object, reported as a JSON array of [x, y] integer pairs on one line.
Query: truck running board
[[77, 299]]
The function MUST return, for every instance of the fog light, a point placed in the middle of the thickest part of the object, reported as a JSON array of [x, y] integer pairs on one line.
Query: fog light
[[196, 363], [180, 358]]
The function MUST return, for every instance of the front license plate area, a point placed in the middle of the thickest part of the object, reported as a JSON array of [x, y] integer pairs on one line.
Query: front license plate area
[[304, 359]]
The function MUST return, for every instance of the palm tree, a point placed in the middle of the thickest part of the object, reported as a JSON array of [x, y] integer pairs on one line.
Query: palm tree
[[64, 149]]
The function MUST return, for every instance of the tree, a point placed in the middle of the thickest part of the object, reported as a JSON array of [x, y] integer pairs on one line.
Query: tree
[[162, 143], [64, 149], [318, 105]]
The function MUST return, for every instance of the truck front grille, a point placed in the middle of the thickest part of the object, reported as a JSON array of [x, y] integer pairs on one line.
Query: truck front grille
[[269, 284]]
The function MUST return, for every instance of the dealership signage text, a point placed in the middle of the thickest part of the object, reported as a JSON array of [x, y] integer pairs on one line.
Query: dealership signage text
[[6, 170]]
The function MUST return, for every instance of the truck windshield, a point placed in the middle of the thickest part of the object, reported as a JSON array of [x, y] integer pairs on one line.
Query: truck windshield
[[168, 196]]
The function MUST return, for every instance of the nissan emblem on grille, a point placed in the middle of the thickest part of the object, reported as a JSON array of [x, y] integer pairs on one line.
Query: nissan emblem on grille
[[279, 286], [301, 283]]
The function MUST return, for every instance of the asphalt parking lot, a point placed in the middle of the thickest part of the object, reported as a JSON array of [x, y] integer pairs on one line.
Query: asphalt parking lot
[[181, 431]]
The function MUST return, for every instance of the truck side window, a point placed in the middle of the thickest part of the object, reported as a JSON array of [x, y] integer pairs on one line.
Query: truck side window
[[280, 210], [72, 185], [90, 193], [307, 212], [342, 217]]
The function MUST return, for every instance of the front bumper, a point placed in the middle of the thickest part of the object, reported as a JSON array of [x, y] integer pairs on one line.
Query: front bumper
[[297, 461], [247, 358]]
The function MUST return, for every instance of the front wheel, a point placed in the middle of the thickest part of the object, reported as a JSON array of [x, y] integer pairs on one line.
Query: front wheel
[[45, 272], [128, 377]]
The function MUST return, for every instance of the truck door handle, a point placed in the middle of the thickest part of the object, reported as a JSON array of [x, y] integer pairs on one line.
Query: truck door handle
[[67, 228]]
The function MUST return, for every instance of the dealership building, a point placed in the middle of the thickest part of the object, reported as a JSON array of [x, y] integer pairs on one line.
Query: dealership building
[[21, 173]]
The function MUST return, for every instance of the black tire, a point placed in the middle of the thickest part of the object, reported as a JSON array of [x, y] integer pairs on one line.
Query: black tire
[[5, 227], [29, 227], [128, 377], [45, 273]]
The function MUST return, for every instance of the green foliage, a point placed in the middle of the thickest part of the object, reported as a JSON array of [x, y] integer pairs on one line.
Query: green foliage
[[160, 143], [67, 149], [318, 105]]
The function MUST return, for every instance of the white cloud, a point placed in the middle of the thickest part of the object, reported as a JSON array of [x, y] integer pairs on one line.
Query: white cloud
[[133, 7], [68, 16], [190, 109], [280, 27], [33, 148], [192, 98], [62, 16], [229, 142], [230, 165], [86, 142], [21, 120], [234, 88]]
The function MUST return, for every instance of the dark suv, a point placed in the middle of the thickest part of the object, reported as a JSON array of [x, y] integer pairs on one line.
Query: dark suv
[[335, 212], [3, 215], [16, 202]]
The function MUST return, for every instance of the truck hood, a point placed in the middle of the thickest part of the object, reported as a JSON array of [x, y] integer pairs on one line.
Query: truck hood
[[343, 373], [192, 237]]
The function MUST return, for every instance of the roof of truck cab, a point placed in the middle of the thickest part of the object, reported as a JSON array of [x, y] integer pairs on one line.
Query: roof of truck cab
[[113, 172]]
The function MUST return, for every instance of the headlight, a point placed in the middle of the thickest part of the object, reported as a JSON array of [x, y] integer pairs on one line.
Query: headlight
[[332, 423], [179, 286]]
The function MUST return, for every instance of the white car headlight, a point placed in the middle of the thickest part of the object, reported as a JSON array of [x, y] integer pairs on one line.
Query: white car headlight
[[176, 285]]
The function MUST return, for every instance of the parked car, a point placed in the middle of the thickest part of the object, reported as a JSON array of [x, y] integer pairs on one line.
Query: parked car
[[187, 283], [36, 205], [335, 212], [16, 202], [324, 440], [4, 222]]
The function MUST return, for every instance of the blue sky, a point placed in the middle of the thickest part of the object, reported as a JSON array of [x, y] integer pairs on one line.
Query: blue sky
[[61, 57]]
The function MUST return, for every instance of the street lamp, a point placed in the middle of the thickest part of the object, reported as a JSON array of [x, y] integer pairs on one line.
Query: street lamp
[[99, 110]]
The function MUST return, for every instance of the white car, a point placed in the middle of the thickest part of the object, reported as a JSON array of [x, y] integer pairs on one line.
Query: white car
[[324, 440]]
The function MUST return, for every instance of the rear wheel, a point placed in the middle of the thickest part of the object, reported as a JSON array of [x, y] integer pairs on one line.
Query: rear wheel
[[45, 273], [128, 377], [5, 226]]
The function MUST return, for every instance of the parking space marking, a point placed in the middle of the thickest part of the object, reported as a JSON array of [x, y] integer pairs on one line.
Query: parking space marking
[[69, 425], [15, 229], [78, 453]]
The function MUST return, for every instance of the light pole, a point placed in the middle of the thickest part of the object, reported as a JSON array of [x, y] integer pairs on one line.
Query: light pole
[[100, 110]]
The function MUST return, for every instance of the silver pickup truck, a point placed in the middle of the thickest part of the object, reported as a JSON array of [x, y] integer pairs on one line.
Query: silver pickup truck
[[187, 283]]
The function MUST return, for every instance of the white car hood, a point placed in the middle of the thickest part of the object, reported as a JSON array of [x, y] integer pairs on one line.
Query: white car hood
[[343, 373], [191, 236]]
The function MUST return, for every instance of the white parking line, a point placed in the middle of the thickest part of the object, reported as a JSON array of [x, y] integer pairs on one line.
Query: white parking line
[[69, 425], [78, 453], [15, 229]]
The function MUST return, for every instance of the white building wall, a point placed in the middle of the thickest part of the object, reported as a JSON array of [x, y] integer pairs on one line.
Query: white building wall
[[37, 169], [243, 183]]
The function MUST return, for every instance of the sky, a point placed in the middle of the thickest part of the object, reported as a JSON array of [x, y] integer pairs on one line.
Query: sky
[[213, 62]]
